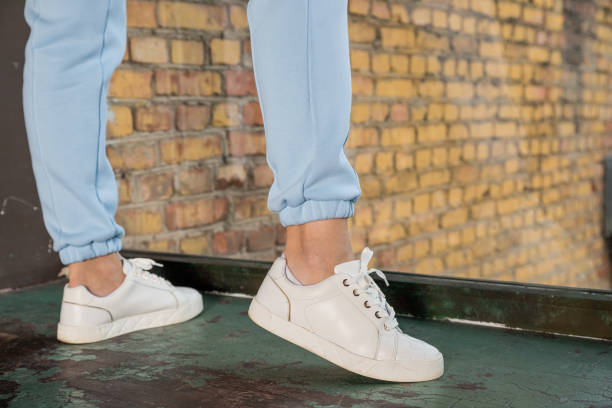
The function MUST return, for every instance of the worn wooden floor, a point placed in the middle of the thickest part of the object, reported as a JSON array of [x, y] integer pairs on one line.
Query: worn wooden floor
[[221, 359]]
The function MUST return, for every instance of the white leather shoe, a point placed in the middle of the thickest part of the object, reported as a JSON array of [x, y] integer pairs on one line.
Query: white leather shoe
[[142, 301], [346, 320]]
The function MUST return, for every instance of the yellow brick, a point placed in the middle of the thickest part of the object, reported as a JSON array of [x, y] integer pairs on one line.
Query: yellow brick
[[459, 90], [359, 7], [431, 133], [141, 14], [429, 266], [491, 49], [399, 13], [386, 234], [131, 84], [403, 208], [364, 163], [538, 54], [363, 216], [360, 60], [421, 16], [140, 221], [454, 21], [225, 114], [397, 37], [397, 136], [440, 19], [434, 178], [554, 21], [403, 161], [238, 17], [533, 15], [395, 88], [225, 51], [417, 66], [380, 63], [483, 6], [422, 158], [187, 52], [421, 203], [152, 50], [433, 65], [404, 253], [458, 132], [360, 113], [195, 245], [421, 248], [384, 162], [482, 151], [191, 15], [120, 122], [454, 217], [189, 149], [400, 182], [431, 88], [361, 32], [508, 9], [439, 156], [399, 64]]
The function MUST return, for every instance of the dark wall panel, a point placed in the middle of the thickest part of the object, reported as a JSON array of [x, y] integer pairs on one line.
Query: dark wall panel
[[25, 247]]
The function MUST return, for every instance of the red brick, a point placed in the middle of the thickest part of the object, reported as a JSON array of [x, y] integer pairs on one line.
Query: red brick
[[194, 181], [227, 242], [230, 175], [190, 117], [261, 239], [127, 83], [251, 206], [251, 114], [152, 50], [133, 156], [244, 143], [281, 235], [141, 14], [240, 83], [155, 186], [155, 118], [262, 176], [188, 214], [188, 83]]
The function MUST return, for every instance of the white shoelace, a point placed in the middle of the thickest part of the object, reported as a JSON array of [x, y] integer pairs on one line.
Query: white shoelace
[[367, 284], [141, 266]]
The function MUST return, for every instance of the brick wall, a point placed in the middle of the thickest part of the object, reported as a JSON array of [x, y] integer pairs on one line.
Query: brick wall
[[478, 132]]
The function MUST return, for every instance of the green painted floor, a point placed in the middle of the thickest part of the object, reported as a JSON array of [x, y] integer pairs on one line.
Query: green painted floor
[[221, 359]]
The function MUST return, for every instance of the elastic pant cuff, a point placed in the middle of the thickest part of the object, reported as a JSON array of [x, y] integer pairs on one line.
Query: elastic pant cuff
[[72, 254], [316, 210]]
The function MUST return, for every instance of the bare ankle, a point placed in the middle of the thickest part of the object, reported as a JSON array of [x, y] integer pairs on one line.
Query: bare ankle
[[313, 249], [101, 275]]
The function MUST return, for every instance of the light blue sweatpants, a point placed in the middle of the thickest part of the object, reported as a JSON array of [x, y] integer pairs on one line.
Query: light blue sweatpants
[[302, 70]]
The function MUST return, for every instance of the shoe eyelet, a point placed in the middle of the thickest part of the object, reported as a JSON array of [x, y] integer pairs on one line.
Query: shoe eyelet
[[387, 328], [377, 314], [345, 282], [355, 292], [366, 304]]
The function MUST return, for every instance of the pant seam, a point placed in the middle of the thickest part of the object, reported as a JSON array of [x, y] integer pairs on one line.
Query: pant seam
[[101, 125], [310, 98], [34, 117]]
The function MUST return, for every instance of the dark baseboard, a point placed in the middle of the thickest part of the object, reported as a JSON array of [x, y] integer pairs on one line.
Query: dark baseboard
[[541, 308]]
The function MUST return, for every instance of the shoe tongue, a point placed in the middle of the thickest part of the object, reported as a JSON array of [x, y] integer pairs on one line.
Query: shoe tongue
[[349, 267]]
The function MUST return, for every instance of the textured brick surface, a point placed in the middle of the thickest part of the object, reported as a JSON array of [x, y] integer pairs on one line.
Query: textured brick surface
[[478, 131]]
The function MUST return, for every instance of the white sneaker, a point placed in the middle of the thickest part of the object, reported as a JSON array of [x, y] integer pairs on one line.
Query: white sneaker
[[346, 320], [142, 301]]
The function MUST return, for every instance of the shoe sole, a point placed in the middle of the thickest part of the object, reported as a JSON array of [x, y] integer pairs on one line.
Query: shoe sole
[[379, 369], [90, 334]]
